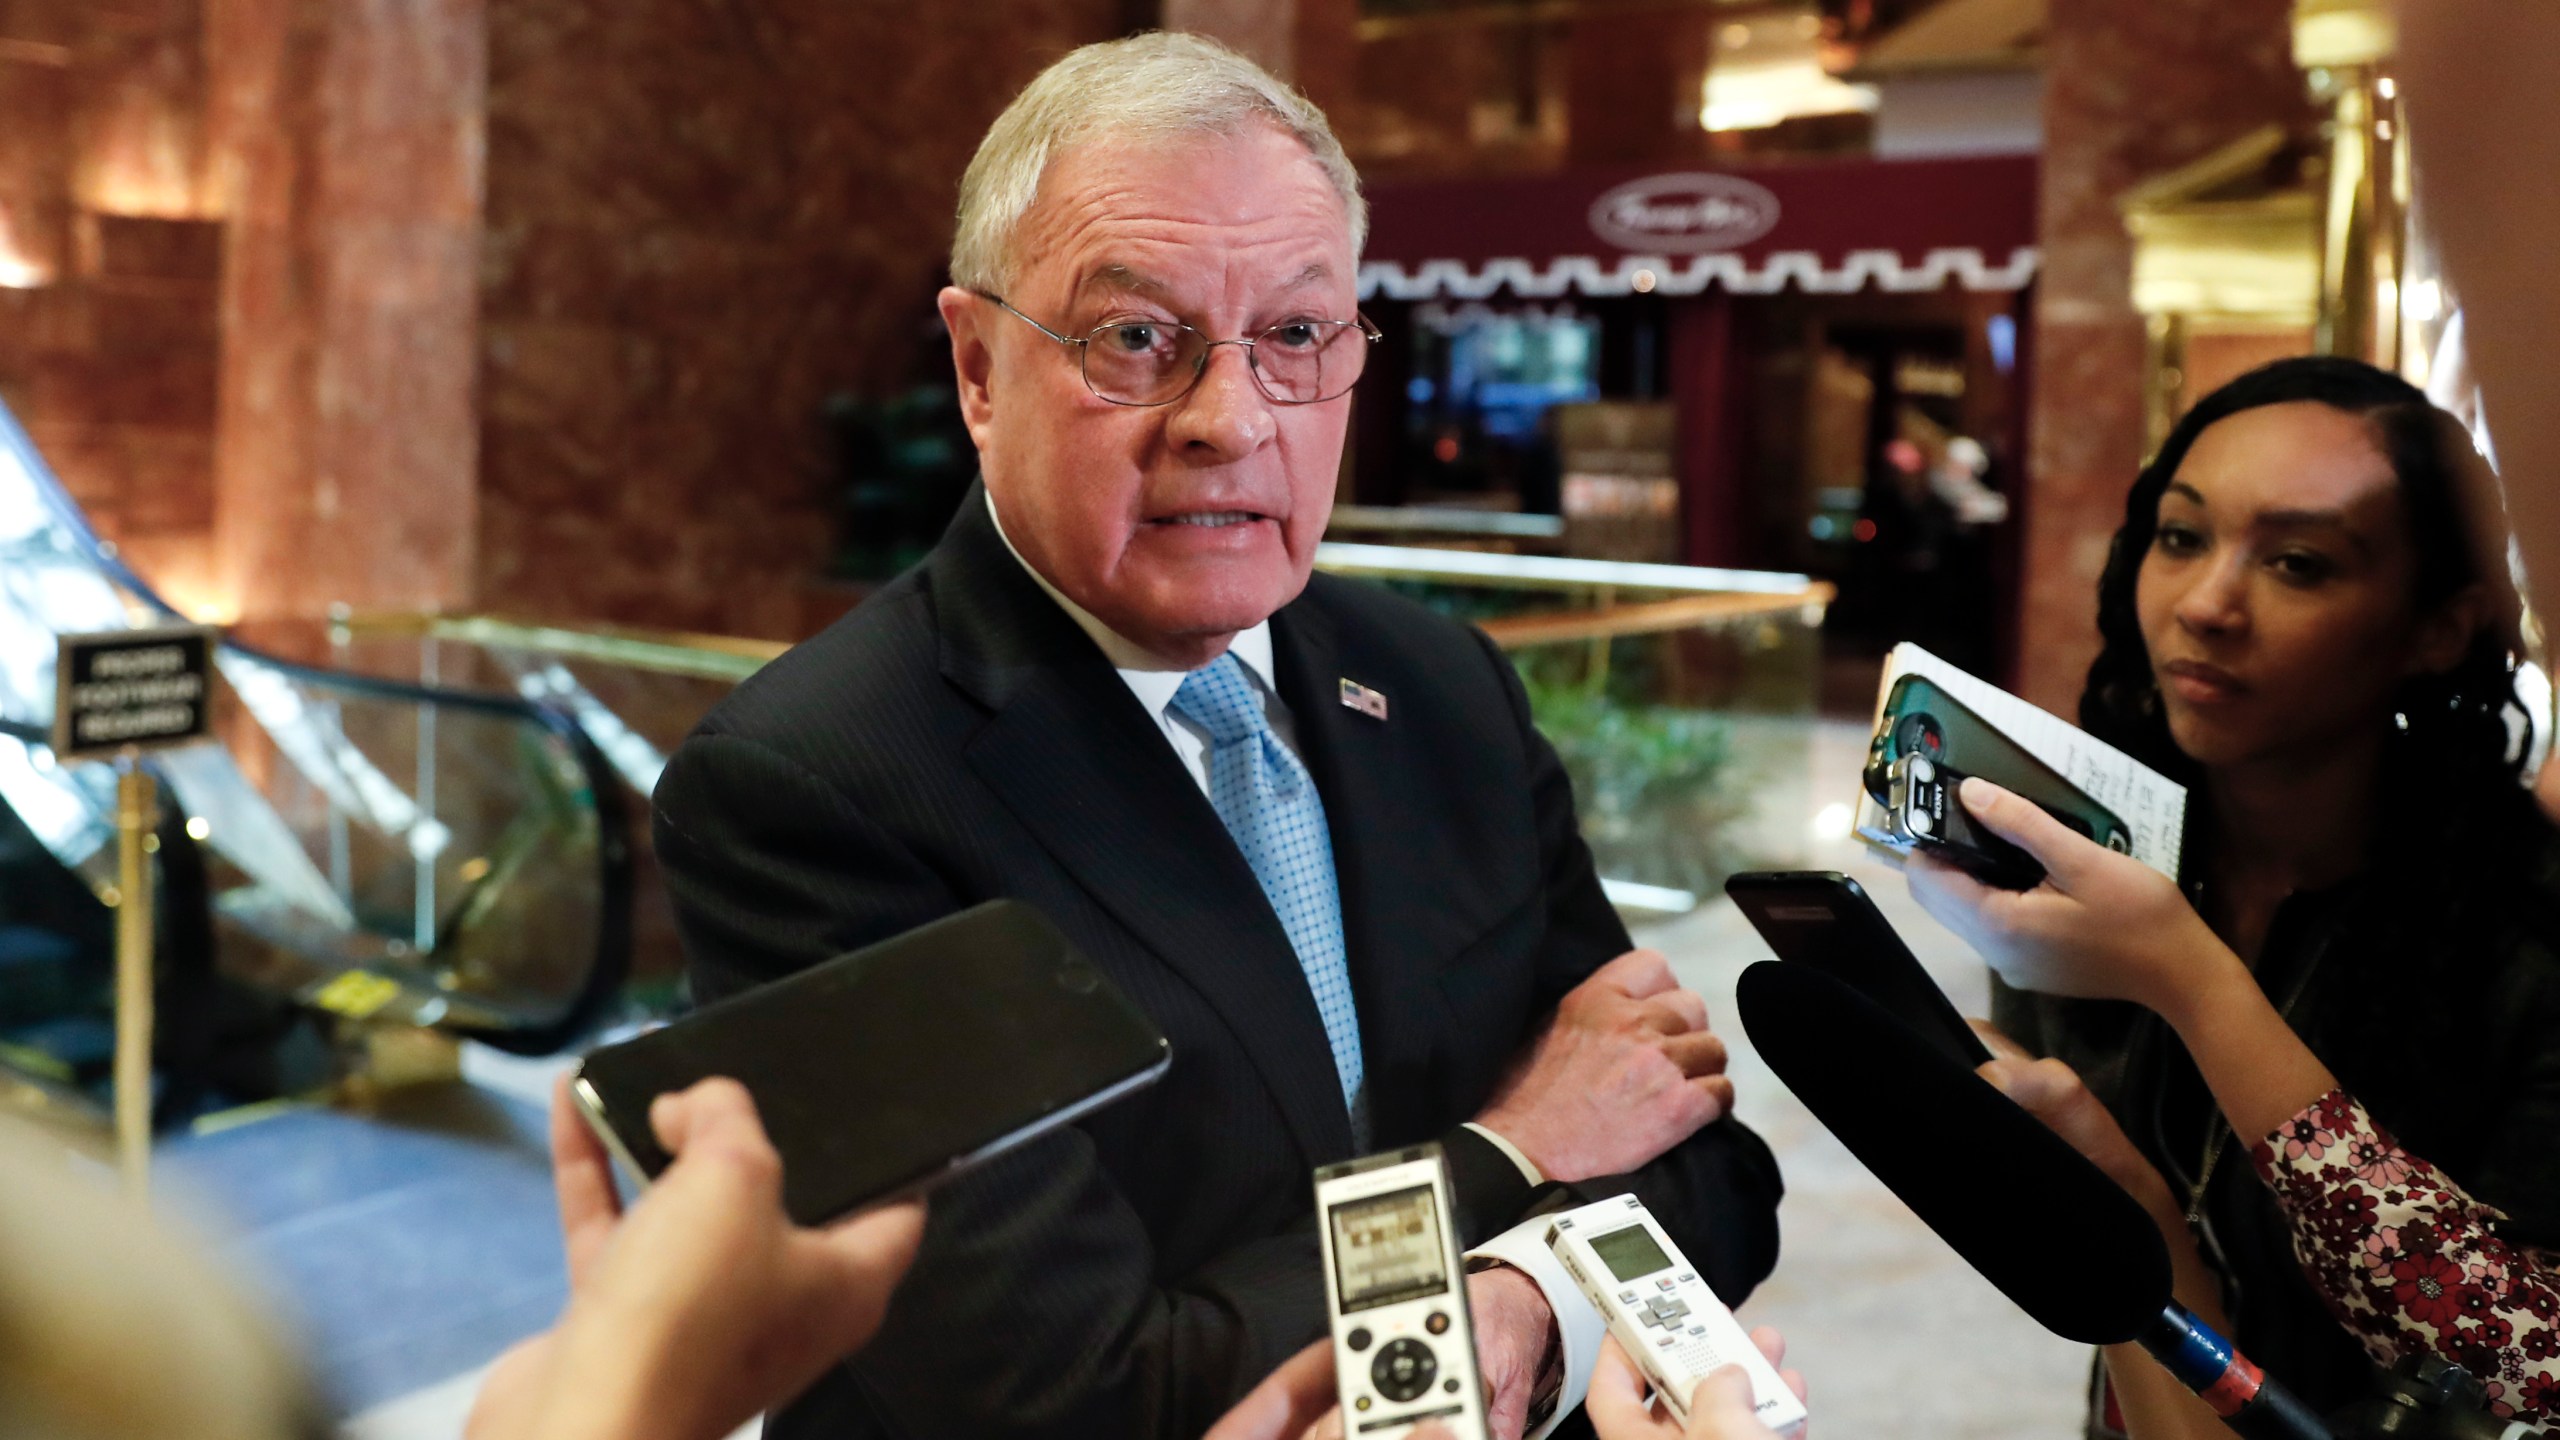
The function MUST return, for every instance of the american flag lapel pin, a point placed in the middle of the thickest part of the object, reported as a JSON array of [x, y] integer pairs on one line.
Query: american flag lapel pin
[[1356, 696]]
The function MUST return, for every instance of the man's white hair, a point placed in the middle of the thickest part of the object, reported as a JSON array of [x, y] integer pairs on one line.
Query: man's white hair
[[1157, 86]]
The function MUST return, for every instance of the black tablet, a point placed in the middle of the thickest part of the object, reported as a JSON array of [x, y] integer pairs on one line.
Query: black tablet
[[889, 1070]]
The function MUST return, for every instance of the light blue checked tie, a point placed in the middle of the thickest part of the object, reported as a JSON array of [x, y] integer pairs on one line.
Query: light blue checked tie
[[1270, 806]]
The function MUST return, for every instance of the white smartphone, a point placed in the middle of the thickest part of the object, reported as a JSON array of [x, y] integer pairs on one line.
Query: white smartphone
[[1404, 1348], [1663, 1315]]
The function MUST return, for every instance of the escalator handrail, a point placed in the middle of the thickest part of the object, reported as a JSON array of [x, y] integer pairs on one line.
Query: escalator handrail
[[612, 962]]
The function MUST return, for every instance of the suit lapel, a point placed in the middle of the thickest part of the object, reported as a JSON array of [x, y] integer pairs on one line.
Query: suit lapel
[[1073, 755], [1390, 851]]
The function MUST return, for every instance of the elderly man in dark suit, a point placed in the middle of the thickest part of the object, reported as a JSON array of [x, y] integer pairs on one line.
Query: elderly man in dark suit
[[1306, 824]]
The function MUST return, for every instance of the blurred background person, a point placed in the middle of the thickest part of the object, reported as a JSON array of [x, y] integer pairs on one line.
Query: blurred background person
[[700, 1307], [112, 1328]]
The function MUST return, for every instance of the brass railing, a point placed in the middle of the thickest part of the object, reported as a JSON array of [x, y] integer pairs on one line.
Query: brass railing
[[1690, 596], [1672, 692]]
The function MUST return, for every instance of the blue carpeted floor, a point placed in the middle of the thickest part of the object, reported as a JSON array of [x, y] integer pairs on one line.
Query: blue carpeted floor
[[403, 1247]]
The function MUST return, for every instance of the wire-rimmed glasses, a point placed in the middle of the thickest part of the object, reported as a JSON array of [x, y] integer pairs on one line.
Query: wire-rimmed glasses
[[1156, 362]]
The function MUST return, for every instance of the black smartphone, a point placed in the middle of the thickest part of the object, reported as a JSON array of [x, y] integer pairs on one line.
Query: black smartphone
[[886, 1071], [1921, 718], [1823, 920]]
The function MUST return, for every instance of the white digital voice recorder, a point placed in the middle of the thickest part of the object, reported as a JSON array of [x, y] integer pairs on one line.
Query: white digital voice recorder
[[1404, 1349], [1663, 1315]]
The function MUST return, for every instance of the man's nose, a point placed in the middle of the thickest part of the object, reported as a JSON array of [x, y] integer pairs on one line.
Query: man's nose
[[1226, 416]]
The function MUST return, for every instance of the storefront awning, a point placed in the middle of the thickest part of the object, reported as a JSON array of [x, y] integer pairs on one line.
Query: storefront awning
[[1828, 227]]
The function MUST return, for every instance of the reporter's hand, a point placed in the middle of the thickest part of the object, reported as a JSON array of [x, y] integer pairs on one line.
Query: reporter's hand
[[705, 1304], [1626, 1070], [2053, 1093], [2100, 925], [1514, 1329], [1721, 1408]]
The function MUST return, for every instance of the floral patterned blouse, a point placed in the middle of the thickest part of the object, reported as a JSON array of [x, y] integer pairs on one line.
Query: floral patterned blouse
[[2408, 1262]]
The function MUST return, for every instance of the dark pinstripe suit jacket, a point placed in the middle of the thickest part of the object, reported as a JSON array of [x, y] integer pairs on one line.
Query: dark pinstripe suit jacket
[[958, 738]]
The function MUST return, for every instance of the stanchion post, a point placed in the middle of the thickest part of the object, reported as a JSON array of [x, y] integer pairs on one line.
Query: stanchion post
[[137, 820], [116, 694]]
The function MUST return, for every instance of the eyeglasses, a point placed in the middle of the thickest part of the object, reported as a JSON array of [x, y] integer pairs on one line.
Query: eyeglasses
[[1156, 362]]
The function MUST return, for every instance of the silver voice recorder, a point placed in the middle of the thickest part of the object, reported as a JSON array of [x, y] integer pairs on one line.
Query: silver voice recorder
[[1662, 1314], [1404, 1347]]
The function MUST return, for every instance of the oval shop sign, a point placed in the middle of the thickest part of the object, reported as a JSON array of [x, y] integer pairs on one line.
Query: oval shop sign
[[1684, 214]]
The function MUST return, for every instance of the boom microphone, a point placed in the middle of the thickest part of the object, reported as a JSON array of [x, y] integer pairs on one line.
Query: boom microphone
[[2079, 1255]]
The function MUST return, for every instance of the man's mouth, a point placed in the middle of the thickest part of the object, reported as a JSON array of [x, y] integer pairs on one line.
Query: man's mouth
[[1210, 519]]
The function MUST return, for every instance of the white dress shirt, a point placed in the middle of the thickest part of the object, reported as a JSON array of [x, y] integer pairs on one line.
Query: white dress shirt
[[1154, 681]]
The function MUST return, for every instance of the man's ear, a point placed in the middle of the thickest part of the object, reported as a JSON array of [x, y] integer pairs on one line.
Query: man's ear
[[972, 361], [2445, 635]]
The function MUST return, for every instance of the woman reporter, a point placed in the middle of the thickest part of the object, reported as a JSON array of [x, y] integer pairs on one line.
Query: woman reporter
[[2294, 628], [2398, 1251]]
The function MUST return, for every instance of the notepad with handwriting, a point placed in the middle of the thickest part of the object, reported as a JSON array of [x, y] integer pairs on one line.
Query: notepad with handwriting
[[2152, 806]]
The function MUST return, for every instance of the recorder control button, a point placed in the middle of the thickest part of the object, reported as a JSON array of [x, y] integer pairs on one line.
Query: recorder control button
[[1665, 1284], [1922, 770], [1404, 1369], [1629, 1296], [1920, 823], [1688, 1275], [1697, 1329], [1358, 1339], [1438, 1324]]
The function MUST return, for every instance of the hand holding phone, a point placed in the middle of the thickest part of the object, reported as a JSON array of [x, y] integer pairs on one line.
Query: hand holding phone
[[705, 1266], [2103, 926]]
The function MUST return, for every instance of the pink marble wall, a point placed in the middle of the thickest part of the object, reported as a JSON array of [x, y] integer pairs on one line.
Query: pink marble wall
[[347, 144], [703, 219], [1312, 44], [2133, 88], [109, 270]]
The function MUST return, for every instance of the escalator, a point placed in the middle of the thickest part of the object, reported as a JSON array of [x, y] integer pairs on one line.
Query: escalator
[[351, 848]]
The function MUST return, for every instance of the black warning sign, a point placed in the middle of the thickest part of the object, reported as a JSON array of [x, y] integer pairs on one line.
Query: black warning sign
[[132, 689]]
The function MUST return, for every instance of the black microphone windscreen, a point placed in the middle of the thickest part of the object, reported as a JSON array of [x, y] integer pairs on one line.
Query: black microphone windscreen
[[2034, 1216]]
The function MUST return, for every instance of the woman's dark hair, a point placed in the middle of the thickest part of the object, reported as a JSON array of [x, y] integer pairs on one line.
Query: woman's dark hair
[[2455, 729]]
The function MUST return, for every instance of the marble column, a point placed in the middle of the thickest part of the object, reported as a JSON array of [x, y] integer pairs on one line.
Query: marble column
[[109, 270], [702, 223], [139, 122], [36, 90], [2133, 88], [347, 139], [1312, 44]]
